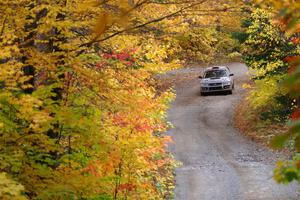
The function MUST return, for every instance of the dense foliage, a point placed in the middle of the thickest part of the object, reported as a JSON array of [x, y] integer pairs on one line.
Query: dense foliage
[[80, 115], [208, 45], [278, 74], [265, 47], [288, 18], [78, 123]]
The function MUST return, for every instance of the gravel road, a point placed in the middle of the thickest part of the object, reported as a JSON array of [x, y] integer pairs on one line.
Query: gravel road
[[218, 162]]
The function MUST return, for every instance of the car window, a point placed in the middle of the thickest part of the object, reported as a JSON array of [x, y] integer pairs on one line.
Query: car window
[[215, 74]]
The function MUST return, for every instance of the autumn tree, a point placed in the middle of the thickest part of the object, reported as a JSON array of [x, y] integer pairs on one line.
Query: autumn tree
[[264, 46], [284, 18], [287, 17], [80, 115]]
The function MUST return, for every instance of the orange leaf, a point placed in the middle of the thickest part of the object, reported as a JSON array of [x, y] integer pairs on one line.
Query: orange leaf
[[102, 24]]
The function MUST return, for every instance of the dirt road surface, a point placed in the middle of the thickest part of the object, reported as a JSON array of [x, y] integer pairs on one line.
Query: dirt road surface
[[218, 162]]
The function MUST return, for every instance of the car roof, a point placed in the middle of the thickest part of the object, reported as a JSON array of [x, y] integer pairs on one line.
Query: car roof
[[216, 68]]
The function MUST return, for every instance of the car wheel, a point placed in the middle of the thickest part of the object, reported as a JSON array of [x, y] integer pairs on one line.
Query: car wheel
[[229, 92], [202, 94]]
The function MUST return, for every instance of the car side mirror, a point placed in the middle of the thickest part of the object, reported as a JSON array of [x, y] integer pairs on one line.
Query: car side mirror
[[231, 74], [200, 77]]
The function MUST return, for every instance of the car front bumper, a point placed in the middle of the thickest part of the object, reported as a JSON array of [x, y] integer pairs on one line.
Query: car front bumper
[[216, 88]]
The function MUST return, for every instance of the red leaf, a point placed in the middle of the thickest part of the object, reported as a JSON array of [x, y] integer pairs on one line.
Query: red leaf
[[296, 114]]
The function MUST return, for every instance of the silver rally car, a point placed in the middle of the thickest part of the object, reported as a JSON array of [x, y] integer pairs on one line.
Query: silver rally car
[[216, 79]]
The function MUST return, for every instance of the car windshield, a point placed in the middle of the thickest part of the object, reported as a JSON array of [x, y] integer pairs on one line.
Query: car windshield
[[215, 74]]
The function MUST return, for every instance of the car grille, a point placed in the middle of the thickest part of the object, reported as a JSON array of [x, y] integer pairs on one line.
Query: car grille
[[215, 84]]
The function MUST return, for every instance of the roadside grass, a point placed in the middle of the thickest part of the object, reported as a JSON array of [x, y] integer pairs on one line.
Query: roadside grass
[[248, 122]]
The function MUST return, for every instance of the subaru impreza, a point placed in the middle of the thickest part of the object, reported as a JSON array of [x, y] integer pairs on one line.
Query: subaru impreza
[[216, 79]]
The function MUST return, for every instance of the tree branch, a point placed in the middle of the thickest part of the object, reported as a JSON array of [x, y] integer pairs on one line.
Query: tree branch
[[137, 5], [3, 26], [88, 44]]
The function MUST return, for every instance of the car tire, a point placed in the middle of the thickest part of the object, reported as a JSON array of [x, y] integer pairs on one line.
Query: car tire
[[229, 92], [202, 94]]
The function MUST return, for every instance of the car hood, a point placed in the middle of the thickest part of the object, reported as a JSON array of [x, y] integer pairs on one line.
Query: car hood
[[215, 80]]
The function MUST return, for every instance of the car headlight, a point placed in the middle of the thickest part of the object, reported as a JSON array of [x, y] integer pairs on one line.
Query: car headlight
[[227, 83], [204, 84]]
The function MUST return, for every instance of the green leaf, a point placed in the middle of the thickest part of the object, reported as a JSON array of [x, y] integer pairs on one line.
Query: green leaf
[[292, 23], [297, 143], [279, 141]]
